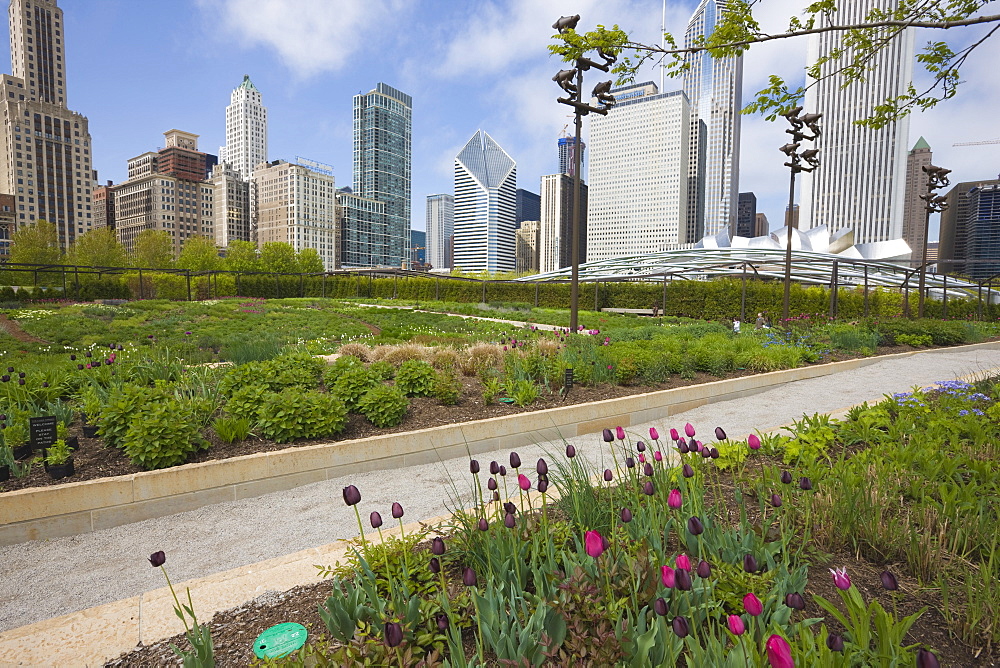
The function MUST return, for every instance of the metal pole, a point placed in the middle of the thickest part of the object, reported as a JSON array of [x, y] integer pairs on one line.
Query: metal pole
[[238, 285], [663, 311], [743, 296], [866, 290], [833, 291], [979, 305], [64, 282], [574, 237], [324, 285], [536, 295], [597, 292], [944, 302], [788, 242], [189, 284], [302, 285], [437, 287], [140, 285]]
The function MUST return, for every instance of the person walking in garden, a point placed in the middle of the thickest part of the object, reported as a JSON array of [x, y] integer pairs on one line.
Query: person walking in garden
[[761, 322]]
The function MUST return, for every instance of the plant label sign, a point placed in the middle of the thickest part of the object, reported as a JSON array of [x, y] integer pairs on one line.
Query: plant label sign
[[42, 431], [280, 640]]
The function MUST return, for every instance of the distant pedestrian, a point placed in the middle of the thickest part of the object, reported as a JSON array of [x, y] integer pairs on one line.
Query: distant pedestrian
[[736, 326], [761, 322]]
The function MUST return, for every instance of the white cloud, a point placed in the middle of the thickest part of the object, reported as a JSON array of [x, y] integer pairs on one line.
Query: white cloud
[[309, 36]]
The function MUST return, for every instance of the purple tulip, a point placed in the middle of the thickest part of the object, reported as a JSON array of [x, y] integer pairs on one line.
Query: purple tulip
[[157, 559], [570, 451], [749, 563], [78, 366], [695, 527], [640, 446], [437, 545], [714, 453], [688, 471], [376, 520], [483, 524], [442, 622], [835, 642], [629, 463], [653, 434], [397, 510], [682, 447], [683, 579], [72, 358], [435, 566], [889, 581], [351, 495], [469, 577], [647, 469], [720, 434], [509, 521], [393, 634], [786, 477], [648, 488], [541, 468], [503, 471], [608, 475], [45, 384], [775, 500], [543, 485], [10, 369], [704, 569], [491, 484], [660, 607], [795, 601], [607, 436], [840, 578], [86, 354], [473, 466], [494, 467], [510, 508], [706, 453], [20, 381], [927, 659], [496, 495], [626, 515], [680, 627], [806, 484], [5, 378], [515, 460]]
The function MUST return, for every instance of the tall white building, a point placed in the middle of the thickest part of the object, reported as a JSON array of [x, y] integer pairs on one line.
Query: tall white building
[[232, 206], [485, 206], [45, 152], [555, 229], [246, 129], [638, 173], [440, 226], [714, 90], [861, 179], [297, 205]]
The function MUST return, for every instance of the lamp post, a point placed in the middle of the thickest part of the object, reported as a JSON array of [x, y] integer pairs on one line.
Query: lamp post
[[602, 91], [800, 125], [937, 177]]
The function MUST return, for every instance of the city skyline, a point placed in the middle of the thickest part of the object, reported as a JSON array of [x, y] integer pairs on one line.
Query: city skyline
[[309, 68]]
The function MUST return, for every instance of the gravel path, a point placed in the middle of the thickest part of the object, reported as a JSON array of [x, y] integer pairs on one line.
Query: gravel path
[[44, 579]]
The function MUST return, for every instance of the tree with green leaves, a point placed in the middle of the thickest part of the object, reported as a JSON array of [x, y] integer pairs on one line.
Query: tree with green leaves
[[36, 244], [98, 248], [242, 256], [199, 254], [309, 261], [153, 249], [279, 257], [737, 31]]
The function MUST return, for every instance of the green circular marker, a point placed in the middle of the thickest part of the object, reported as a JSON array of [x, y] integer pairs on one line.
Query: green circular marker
[[280, 640]]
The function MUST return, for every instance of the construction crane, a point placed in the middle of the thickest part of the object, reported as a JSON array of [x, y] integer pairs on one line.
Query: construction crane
[[978, 143]]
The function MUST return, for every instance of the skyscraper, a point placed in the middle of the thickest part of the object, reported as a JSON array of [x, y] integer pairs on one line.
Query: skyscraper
[[914, 211], [860, 182], [567, 155], [526, 240], [958, 221], [383, 120], [246, 129], [638, 174], [528, 206], [485, 185], [440, 226], [746, 215], [232, 206], [555, 231], [714, 90], [46, 157]]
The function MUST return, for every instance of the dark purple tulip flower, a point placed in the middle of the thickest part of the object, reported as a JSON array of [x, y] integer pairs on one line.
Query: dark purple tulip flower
[[660, 607], [704, 569], [20, 381], [626, 515], [78, 366], [608, 475], [570, 451], [503, 470], [5, 378], [607, 436], [442, 622], [786, 477], [695, 527], [491, 484], [680, 626], [86, 354], [45, 384], [515, 460], [687, 471], [10, 369], [775, 500], [749, 563], [483, 524], [795, 601], [397, 511], [496, 495], [648, 488], [629, 462], [714, 454], [682, 579], [435, 565], [510, 508], [647, 469], [927, 659], [473, 466], [543, 486], [437, 545], [72, 358], [836, 643], [640, 446], [541, 468], [720, 434], [351, 495], [376, 520], [393, 634], [806, 484], [706, 453], [469, 577], [96, 364], [509, 521], [682, 446], [157, 559], [494, 467], [889, 581]]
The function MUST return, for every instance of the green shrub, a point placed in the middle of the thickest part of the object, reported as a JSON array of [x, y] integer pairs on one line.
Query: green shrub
[[352, 384], [382, 370], [256, 347], [246, 402], [232, 429], [123, 405], [384, 406], [163, 434], [447, 388], [915, 340], [337, 367], [523, 392], [297, 413], [416, 378]]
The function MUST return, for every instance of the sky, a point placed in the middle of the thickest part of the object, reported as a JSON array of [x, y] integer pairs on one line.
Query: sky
[[137, 68]]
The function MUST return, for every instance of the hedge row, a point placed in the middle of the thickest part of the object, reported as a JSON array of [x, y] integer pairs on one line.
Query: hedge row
[[718, 299]]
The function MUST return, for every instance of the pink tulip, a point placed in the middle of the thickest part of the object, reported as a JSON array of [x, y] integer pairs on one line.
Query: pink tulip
[[752, 605], [674, 499], [642, 458], [753, 441], [593, 543], [779, 654], [689, 429], [683, 562], [736, 625], [658, 456], [523, 482], [841, 579], [619, 432], [653, 434], [667, 575]]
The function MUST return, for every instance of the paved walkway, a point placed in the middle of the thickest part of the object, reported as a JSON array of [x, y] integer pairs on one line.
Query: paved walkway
[[44, 579]]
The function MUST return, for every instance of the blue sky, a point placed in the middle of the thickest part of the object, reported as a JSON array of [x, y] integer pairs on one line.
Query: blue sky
[[137, 68]]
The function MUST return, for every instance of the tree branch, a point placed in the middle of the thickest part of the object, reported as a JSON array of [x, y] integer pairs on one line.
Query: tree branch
[[941, 25]]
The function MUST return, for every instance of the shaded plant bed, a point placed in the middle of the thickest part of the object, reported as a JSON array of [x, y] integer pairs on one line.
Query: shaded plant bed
[[94, 460]]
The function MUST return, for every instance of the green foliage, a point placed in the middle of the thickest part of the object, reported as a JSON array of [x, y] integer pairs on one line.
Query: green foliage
[[384, 406], [246, 401], [915, 340], [352, 384], [242, 348], [98, 248], [199, 254], [297, 413], [382, 370], [308, 261], [35, 244], [416, 378], [232, 429], [523, 392], [58, 453], [153, 249], [279, 257], [164, 434], [242, 256], [447, 387], [123, 406]]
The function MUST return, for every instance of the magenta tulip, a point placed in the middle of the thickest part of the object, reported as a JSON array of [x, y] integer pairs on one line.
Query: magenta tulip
[[683, 562], [752, 605], [620, 433], [674, 499], [674, 436], [658, 456], [667, 575], [653, 434], [736, 625], [779, 654], [593, 543], [689, 430], [841, 579], [753, 441], [523, 482]]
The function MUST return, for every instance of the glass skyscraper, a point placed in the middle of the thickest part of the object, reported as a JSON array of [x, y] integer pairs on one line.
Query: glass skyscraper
[[383, 121]]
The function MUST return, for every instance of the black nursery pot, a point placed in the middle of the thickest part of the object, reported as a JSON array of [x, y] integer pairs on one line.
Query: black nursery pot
[[23, 451], [60, 471], [73, 442], [90, 430], [4, 473]]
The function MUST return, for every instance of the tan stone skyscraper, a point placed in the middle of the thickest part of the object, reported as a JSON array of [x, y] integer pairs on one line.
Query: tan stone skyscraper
[[45, 152], [914, 214]]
